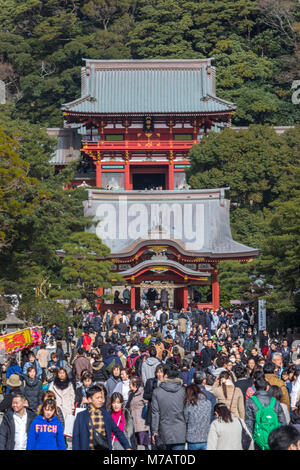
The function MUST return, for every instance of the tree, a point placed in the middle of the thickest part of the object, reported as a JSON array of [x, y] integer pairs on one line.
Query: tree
[[250, 162], [85, 267], [14, 181]]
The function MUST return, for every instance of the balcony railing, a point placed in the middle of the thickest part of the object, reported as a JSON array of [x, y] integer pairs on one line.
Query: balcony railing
[[138, 144]]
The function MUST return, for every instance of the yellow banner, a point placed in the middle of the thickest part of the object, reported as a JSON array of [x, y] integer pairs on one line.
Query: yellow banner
[[16, 341]]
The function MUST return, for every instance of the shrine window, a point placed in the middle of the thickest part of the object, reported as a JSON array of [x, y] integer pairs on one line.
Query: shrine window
[[112, 180], [183, 136], [114, 137]]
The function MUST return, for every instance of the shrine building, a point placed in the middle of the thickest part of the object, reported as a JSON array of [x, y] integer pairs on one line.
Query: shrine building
[[138, 119]]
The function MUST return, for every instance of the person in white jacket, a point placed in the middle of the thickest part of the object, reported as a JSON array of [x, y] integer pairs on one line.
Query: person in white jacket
[[295, 393], [225, 432]]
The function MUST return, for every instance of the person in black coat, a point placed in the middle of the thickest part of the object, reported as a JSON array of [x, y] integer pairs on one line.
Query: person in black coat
[[97, 323], [106, 348], [150, 386], [243, 381], [100, 375], [7, 428], [208, 354], [33, 389], [122, 327]]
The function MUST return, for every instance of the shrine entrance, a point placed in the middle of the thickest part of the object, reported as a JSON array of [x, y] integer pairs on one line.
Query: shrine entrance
[[141, 181]]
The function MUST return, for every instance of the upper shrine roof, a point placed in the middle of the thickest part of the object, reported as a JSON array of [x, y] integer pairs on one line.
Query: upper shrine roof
[[148, 87]]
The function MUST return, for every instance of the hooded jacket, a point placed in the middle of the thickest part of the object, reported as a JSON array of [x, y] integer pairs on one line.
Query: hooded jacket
[[148, 368], [167, 411], [46, 434], [99, 372]]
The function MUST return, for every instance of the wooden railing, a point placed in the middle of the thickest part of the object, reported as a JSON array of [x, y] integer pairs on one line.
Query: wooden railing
[[138, 144]]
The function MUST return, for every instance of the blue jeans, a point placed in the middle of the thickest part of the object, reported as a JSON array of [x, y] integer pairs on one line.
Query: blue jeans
[[175, 446], [197, 445]]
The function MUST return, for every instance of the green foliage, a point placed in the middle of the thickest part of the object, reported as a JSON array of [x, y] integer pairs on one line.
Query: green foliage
[[262, 170], [82, 270], [250, 162], [255, 46]]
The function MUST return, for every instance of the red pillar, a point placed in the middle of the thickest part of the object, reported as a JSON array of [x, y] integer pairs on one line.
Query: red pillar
[[132, 298], [185, 297], [98, 174], [99, 300], [215, 291], [171, 172], [126, 176]]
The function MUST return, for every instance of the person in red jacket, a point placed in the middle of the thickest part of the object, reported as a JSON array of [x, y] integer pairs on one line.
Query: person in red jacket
[[86, 342]]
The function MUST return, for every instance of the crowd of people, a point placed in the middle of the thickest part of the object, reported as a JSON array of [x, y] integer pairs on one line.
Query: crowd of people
[[155, 379]]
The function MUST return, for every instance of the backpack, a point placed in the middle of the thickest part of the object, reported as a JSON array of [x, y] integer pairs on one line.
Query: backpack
[[265, 421], [131, 364], [110, 366]]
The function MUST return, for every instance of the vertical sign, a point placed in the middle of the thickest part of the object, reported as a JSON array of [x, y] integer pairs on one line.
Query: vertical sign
[[262, 323]]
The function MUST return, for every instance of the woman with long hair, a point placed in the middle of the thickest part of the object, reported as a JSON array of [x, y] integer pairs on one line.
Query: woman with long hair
[[197, 414], [46, 431], [226, 430], [64, 391], [123, 420], [135, 405], [49, 394], [227, 393]]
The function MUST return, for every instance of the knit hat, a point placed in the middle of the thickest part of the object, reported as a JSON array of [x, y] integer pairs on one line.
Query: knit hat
[[135, 349], [14, 381]]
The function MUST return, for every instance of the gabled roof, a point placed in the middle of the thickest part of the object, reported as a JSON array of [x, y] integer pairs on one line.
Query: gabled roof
[[148, 87]]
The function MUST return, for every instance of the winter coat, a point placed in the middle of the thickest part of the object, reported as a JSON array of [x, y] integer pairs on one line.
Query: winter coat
[[7, 428], [207, 356], [251, 409], [151, 385], [148, 368], [213, 401], [244, 383], [99, 372], [81, 434], [109, 360], [295, 393], [80, 364], [65, 398], [181, 326], [198, 418], [227, 436], [123, 388], [129, 430], [136, 406], [111, 385], [234, 398], [46, 434], [273, 380], [97, 323], [42, 357], [33, 391], [167, 411]]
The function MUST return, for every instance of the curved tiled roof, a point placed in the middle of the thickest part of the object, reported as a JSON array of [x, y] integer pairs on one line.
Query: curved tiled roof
[[137, 87]]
